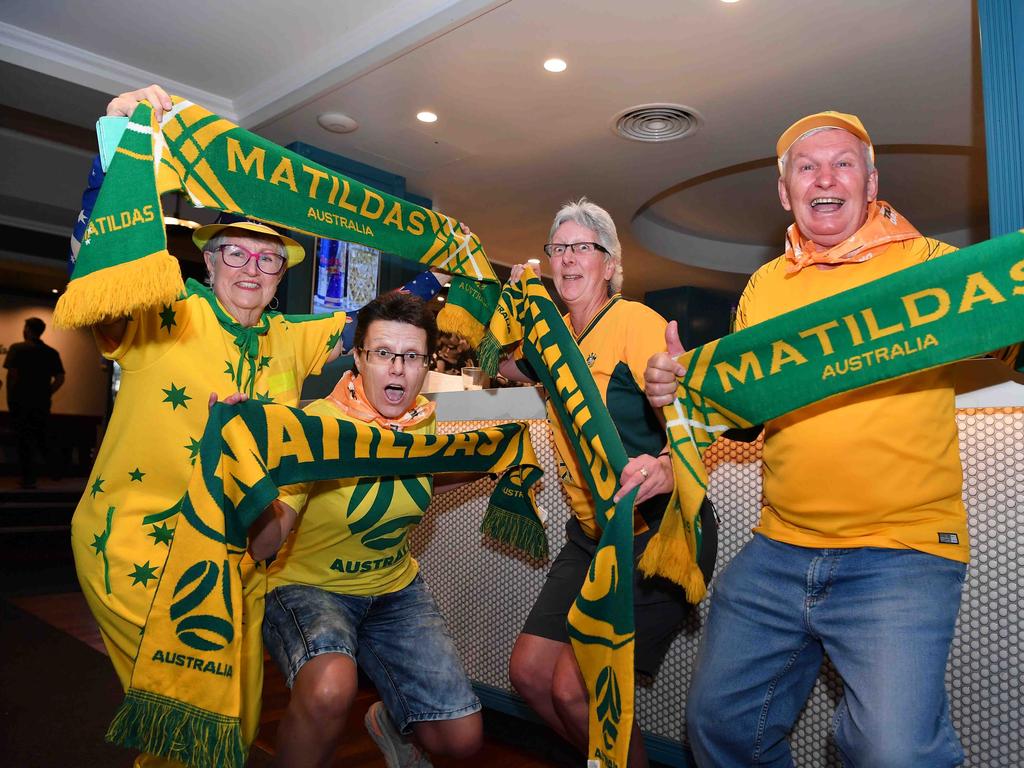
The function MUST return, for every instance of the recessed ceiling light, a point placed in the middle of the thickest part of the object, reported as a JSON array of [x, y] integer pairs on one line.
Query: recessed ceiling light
[[54, 290], [555, 65], [336, 122], [426, 117], [730, 1], [533, 261], [441, 299]]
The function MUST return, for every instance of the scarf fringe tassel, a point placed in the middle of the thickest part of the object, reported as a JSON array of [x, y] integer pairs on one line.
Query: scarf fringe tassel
[[521, 532], [162, 726], [489, 354], [669, 557], [118, 291], [453, 319]]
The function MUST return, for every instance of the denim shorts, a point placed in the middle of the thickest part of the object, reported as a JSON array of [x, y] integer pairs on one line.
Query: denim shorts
[[399, 640]]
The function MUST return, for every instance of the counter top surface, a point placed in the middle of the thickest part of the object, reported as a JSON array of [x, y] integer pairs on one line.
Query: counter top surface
[[980, 383], [508, 404]]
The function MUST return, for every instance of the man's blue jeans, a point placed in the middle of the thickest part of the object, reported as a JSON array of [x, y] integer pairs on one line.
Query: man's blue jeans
[[884, 616]]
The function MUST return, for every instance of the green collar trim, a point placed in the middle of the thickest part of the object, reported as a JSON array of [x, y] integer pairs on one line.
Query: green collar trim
[[597, 318], [246, 338]]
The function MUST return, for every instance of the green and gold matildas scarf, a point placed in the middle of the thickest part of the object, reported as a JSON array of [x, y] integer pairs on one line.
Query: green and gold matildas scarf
[[185, 695], [124, 266], [601, 620]]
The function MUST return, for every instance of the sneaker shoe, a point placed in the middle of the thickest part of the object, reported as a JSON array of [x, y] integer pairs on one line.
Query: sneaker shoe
[[398, 751]]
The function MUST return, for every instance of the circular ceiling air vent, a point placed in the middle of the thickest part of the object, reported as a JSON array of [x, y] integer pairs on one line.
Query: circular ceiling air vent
[[656, 122]]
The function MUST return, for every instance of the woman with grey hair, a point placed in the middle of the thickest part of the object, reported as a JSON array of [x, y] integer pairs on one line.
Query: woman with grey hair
[[586, 214], [616, 337]]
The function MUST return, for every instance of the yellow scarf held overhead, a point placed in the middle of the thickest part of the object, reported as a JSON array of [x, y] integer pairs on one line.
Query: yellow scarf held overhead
[[123, 264]]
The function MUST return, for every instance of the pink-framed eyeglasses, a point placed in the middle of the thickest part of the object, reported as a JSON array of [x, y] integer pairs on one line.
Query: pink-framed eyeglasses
[[236, 257]]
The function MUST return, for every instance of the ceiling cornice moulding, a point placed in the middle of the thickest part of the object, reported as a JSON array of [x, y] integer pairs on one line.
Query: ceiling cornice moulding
[[85, 68]]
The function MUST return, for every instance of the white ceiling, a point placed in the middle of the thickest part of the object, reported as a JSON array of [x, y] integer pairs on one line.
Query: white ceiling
[[514, 141]]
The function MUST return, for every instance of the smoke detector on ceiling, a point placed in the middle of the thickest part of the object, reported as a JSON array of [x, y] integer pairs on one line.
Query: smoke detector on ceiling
[[656, 122], [336, 122]]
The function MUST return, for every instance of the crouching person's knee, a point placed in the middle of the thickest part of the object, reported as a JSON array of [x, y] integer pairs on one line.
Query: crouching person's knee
[[460, 738]]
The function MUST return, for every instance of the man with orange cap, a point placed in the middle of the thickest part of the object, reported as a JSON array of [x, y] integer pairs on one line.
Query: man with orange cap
[[862, 546]]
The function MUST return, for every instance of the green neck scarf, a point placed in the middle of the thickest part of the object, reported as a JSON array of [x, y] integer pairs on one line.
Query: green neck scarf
[[601, 627], [185, 696], [246, 338], [123, 265]]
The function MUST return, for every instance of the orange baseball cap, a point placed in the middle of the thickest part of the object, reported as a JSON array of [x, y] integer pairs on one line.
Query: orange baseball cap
[[828, 119]]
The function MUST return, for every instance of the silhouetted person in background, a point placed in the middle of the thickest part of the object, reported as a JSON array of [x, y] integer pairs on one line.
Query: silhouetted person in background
[[453, 353], [34, 373]]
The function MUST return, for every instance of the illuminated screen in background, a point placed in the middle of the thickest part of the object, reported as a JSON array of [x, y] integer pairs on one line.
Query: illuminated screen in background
[[346, 275]]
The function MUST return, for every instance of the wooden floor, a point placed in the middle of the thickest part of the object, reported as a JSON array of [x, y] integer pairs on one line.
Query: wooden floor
[[69, 613]]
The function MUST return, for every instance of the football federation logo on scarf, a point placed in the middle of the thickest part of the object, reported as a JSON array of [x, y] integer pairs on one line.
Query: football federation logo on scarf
[[203, 587]]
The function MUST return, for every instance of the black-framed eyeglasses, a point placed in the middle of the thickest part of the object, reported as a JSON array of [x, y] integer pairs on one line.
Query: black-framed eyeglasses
[[580, 249], [385, 356], [236, 257]]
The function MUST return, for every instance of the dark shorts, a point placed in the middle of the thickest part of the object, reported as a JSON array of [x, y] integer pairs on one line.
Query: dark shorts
[[659, 605]]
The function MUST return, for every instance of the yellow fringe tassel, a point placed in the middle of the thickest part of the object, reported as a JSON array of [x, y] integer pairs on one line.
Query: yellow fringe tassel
[[120, 290], [669, 556], [452, 319]]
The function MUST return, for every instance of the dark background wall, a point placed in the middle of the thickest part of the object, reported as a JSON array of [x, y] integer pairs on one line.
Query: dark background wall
[[703, 315]]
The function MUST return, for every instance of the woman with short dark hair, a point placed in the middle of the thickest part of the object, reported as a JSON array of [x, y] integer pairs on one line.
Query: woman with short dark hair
[[345, 591]]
